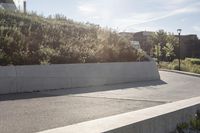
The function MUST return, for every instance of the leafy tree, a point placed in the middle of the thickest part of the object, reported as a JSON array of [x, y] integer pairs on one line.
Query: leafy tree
[[174, 42], [169, 52], [168, 45], [157, 52]]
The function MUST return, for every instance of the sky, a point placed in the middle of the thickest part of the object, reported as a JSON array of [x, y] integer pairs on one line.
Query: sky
[[126, 15]]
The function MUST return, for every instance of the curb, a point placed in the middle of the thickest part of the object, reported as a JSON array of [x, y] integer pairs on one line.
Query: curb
[[181, 72]]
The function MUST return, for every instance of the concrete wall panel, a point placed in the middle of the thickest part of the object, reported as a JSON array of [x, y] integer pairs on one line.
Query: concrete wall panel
[[46, 77]]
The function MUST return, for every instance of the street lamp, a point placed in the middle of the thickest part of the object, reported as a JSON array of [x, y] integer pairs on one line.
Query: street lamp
[[179, 56]]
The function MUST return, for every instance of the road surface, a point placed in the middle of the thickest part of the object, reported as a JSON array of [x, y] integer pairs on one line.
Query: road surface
[[32, 112]]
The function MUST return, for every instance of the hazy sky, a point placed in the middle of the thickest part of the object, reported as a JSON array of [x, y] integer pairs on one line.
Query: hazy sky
[[127, 15]]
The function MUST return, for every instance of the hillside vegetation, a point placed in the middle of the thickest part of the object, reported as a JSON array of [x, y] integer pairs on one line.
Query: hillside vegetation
[[27, 39]]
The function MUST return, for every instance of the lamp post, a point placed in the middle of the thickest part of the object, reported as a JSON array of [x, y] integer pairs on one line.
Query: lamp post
[[179, 56], [158, 53]]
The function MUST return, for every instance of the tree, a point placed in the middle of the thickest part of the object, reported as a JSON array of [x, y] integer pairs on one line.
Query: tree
[[168, 43], [174, 42], [157, 52], [159, 37], [169, 52]]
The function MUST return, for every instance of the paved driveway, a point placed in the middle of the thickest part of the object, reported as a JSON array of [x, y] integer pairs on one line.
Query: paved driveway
[[32, 112]]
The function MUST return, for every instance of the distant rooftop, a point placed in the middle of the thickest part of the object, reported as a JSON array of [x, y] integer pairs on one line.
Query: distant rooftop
[[7, 4], [7, 1]]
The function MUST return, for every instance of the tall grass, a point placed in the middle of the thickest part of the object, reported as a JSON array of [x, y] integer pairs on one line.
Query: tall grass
[[188, 65]]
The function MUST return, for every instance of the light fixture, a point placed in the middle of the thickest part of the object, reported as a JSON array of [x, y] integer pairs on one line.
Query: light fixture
[[179, 31]]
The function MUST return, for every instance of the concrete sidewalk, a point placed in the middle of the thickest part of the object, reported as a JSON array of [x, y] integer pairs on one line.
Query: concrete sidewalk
[[33, 112]]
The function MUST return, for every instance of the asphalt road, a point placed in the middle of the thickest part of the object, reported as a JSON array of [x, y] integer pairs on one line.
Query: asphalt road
[[32, 112]]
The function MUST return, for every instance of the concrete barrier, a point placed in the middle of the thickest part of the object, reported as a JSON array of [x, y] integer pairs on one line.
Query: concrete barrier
[[46, 77], [158, 119]]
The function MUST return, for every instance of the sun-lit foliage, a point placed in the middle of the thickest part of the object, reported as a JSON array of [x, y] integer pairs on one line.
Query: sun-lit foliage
[[188, 65], [167, 43], [32, 39]]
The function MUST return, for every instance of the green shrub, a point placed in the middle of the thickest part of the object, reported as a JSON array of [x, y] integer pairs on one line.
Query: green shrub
[[193, 125], [195, 69], [182, 126], [186, 65], [175, 67], [195, 61]]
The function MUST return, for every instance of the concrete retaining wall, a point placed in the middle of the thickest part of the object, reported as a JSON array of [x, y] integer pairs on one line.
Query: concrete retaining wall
[[46, 77], [159, 119]]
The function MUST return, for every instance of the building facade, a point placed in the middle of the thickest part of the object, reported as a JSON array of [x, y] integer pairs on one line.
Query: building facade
[[143, 38], [190, 44], [7, 5]]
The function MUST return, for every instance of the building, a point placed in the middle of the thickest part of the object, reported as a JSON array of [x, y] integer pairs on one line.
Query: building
[[143, 38], [190, 46], [7, 4], [139, 39], [135, 44], [128, 35]]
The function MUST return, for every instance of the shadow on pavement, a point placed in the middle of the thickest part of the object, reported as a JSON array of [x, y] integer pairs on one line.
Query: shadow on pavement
[[63, 92]]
